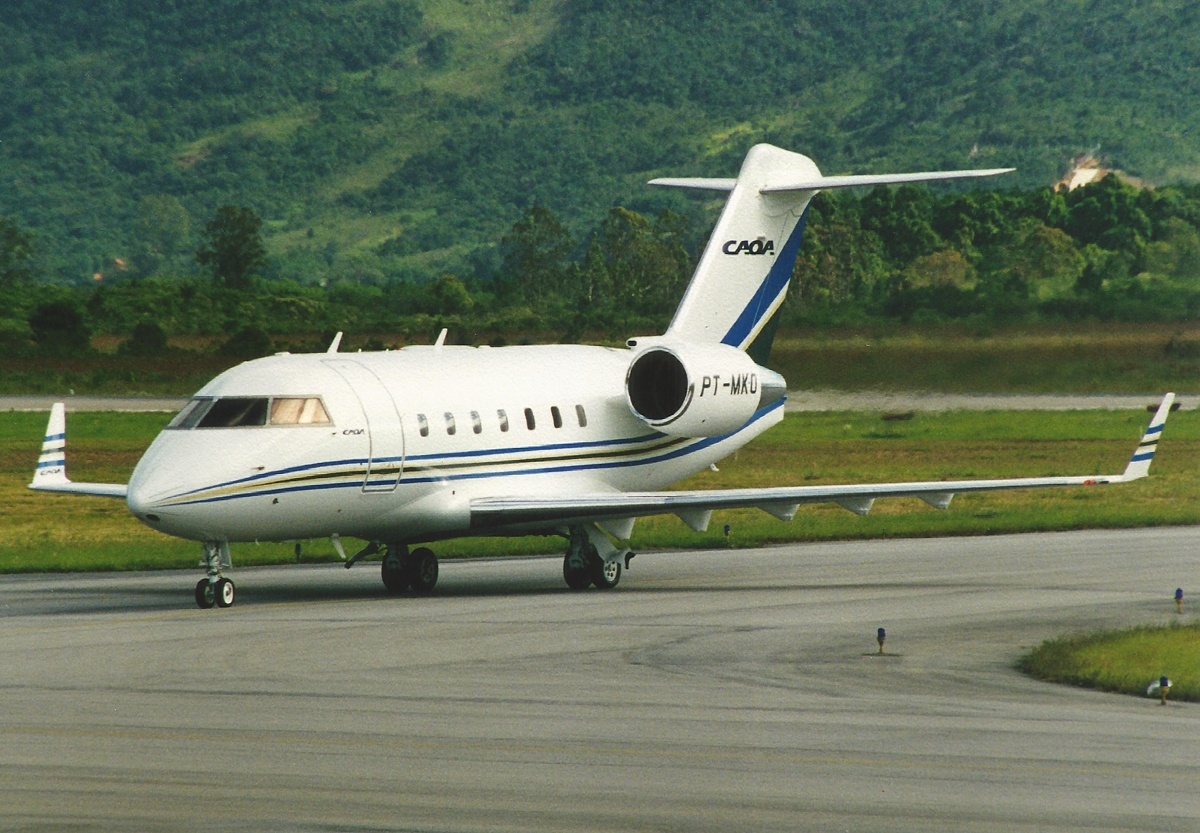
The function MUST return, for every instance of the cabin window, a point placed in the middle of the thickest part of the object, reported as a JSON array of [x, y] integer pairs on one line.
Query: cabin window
[[289, 410], [503, 415], [556, 415], [476, 422], [581, 416], [449, 423], [235, 412], [529, 422], [423, 425], [192, 413]]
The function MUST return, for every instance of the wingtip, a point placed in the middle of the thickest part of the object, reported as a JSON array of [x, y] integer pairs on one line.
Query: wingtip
[[1143, 455]]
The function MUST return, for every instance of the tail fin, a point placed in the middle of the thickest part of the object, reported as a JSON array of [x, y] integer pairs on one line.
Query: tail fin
[[742, 277]]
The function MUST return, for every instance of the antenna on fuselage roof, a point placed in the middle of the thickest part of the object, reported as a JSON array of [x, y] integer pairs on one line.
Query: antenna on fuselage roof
[[333, 345], [441, 339]]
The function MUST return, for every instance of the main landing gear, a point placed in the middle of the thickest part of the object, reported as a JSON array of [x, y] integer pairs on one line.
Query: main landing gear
[[215, 589], [402, 570], [584, 566]]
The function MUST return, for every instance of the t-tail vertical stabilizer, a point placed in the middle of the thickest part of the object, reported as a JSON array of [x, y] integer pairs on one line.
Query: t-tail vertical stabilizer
[[742, 277]]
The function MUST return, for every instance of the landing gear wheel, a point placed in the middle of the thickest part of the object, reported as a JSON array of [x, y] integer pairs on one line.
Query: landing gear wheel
[[578, 569], [607, 574], [394, 571], [206, 594], [423, 569], [224, 592]]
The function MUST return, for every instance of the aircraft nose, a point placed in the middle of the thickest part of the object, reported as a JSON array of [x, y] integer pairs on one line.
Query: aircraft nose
[[139, 496], [148, 487]]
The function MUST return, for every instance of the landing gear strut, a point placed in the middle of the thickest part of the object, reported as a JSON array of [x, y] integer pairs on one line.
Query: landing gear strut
[[584, 566], [402, 569], [215, 589]]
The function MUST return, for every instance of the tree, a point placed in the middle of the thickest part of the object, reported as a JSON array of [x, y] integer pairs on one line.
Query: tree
[[902, 219], [161, 231], [1048, 263], [58, 326], [16, 253], [533, 255], [648, 264], [148, 339], [233, 248], [451, 296]]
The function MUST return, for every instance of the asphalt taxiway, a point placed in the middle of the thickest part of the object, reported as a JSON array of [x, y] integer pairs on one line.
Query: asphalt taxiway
[[711, 691]]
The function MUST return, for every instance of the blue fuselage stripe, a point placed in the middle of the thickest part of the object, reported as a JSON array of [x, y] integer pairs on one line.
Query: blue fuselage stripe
[[776, 279], [357, 481]]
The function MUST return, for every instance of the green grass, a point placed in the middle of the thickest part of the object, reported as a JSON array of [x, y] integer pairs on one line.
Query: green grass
[[40, 532], [1124, 661]]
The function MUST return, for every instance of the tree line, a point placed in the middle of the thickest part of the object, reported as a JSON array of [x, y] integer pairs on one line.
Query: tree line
[[1105, 252]]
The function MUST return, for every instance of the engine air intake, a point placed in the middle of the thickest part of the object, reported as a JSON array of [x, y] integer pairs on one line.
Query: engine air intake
[[657, 385]]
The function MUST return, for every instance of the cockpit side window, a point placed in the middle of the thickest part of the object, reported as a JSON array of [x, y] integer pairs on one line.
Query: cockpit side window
[[192, 413], [296, 410], [235, 411]]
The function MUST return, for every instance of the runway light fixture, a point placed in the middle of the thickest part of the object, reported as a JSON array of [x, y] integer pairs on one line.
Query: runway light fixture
[[880, 636], [1179, 600], [1160, 687]]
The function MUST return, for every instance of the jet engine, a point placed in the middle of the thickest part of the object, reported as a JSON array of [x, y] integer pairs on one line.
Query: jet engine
[[698, 390]]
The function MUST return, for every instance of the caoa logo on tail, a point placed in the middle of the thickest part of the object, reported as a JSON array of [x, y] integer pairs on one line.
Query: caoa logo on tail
[[749, 247]]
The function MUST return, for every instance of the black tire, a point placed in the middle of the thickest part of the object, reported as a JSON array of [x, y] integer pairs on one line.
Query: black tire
[[606, 574], [206, 594], [578, 570], [394, 571], [423, 570], [224, 591]]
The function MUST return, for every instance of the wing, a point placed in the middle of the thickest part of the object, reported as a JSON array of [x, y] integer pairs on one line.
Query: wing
[[695, 507], [51, 472]]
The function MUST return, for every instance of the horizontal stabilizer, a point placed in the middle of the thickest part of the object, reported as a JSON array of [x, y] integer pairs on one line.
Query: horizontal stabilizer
[[696, 182], [824, 183]]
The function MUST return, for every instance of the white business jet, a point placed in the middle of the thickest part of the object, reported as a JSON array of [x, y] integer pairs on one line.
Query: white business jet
[[407, 447]]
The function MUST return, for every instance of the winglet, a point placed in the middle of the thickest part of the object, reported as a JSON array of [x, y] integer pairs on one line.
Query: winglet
[[51, 472], [333, 345], [52, 464], [1139, 464]]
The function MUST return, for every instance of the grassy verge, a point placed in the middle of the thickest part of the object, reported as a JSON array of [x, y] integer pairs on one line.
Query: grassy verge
[[1137, 358], [40, 532], [1124, 661]]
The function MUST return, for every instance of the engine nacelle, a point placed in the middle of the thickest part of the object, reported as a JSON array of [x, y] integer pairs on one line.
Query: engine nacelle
[[698, 390]]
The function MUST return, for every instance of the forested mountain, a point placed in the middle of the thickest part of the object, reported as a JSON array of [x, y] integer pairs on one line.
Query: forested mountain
[[392, 139]]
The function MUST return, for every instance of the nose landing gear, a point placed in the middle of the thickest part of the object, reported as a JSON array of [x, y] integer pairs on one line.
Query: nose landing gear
[[215, 589]]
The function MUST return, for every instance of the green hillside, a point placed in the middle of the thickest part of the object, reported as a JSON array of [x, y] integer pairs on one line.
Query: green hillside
[[386, 139]]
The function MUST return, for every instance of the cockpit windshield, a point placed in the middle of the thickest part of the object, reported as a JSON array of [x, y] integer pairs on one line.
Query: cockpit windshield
[[293, 410], [242, 411], [234, 411]]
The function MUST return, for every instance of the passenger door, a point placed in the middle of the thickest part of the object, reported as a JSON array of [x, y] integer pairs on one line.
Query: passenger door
[[385, 456]]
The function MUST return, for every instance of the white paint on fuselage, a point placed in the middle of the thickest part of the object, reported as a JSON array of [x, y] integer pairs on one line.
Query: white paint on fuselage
[[284, 482]]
